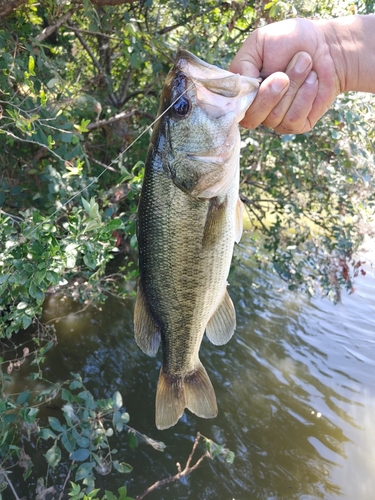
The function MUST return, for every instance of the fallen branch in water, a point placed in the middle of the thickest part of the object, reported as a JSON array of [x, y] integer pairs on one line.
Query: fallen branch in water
[[181, 473]]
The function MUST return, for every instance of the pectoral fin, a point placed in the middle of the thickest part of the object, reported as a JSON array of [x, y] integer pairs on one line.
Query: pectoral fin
[[222, 324], [176, 392], [146, 333]]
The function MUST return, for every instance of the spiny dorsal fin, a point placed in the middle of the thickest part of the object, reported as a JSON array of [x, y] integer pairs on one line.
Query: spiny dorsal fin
[[177, 392], [222, 324], [146, 333]]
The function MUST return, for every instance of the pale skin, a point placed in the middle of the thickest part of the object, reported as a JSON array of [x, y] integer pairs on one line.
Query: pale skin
[[305, 65]]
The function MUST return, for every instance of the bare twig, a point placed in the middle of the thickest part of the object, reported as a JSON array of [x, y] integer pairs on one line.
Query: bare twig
[[53, 27], [10, 6], [65, 483], [181, 473], [167, 29], [125, 88], [100, 3], [120, 116], [102, 123], [106, 167], [96, 63], [5, 475], [248, 204], [10, 134], [55, 320]]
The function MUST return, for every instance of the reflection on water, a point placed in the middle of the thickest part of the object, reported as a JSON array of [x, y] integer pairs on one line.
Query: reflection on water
[[295, 390]]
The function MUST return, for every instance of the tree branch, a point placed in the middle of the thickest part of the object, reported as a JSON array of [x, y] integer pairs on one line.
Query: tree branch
[[181, 473], [101, 3], [5, 475], [120, 116], [53, 27], [97, 64], [167, 29], [8, 6], [125, 87]]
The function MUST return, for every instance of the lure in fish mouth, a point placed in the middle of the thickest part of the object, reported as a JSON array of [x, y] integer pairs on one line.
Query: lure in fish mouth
[[189, 217]]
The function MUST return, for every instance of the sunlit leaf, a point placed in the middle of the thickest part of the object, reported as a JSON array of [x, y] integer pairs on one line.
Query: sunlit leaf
[[122, 467], [53, 456]]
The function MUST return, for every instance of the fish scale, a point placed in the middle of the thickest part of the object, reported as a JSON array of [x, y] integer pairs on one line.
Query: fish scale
[[188, 220]]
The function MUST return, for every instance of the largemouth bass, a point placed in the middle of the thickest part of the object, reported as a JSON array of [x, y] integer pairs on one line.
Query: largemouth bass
[[189, 217]]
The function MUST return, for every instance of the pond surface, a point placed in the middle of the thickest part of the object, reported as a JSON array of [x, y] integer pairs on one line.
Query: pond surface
[[295, 389]]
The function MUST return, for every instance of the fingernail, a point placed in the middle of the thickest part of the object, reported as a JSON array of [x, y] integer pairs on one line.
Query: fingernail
[[278, 85], [312, 78], [302, 63]]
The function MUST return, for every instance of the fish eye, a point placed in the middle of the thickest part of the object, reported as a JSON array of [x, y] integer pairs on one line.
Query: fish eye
[[181, 107]]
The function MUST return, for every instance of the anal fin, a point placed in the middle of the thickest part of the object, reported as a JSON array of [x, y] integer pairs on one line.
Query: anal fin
[[222, 323], [175, 392], [146, 333]]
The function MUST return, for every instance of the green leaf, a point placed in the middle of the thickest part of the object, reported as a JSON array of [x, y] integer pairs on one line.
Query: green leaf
[[76, 488], [114, 224], [122, 467], [53, 456], [35, 292], [230, 457], [30, 415], [76, 384], [66, 395], [55, 424], [117, 401], [26, 321], [82, 441], [82, 127], [84, 470], [68, 442], [46, 433], [80, 455], [110, 496], [4, 278], [122, 491], [31, 66], [133, 440], [23, 397]]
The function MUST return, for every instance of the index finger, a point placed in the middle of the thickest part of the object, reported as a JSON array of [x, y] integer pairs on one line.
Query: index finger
[[248, 61], [269, 95]]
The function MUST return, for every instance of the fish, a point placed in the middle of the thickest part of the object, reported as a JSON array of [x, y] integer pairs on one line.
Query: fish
[[189, 217]]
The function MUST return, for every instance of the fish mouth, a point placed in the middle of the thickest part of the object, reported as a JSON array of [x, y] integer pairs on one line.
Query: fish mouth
[[213, 156], [218, 91]]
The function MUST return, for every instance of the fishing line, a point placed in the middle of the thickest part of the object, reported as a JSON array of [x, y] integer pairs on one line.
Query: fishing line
[[63, 205]]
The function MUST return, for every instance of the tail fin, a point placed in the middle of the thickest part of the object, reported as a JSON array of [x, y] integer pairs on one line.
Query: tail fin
[[176, 392]]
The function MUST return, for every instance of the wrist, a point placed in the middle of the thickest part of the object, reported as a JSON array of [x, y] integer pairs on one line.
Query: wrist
[[352, 48]]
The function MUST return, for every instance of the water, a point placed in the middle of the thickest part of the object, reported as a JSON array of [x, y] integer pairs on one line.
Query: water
[[295, 390]]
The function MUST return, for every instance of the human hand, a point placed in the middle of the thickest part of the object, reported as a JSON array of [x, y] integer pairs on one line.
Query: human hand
[[301, 78]]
